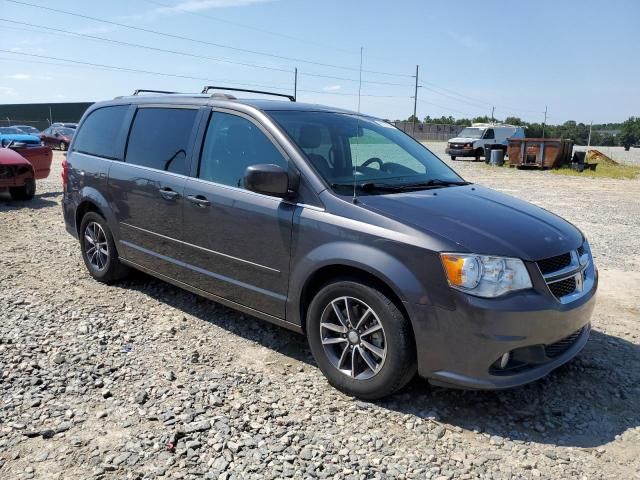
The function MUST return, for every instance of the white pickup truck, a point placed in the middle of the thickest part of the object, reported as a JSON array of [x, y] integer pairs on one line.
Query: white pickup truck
[[472, 140]]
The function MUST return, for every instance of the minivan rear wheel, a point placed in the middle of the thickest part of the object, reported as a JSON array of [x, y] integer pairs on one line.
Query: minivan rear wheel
[[360, 340], [99, 251]]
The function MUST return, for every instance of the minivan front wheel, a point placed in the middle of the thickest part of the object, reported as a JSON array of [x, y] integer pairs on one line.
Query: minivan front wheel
[[361, 341], [98, 249]]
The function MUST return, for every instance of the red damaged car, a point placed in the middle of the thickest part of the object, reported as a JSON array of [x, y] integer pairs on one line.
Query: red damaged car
[[21, 167]]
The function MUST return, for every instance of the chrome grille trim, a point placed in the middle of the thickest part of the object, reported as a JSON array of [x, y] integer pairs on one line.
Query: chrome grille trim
[[578, 269]]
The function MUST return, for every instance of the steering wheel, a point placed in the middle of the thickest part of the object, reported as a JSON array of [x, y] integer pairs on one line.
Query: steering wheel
[[374, 160]]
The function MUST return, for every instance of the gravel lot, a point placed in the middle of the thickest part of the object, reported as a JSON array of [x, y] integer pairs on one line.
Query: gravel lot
[[143, 380]]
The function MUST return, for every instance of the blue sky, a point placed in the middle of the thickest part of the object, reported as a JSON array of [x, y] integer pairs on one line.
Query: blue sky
[[580, 57]]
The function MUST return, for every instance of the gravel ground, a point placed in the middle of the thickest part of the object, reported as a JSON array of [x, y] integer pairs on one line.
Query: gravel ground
[[143, 380]]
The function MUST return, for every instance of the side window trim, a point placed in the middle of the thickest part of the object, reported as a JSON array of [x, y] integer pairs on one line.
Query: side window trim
[[208, 114], [195, 129]]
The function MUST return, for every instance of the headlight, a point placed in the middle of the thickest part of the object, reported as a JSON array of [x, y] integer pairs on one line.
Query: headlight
[[485, 276]]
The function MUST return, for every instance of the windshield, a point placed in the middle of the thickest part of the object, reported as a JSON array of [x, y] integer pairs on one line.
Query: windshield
[[471, 133], [346, 148], [28, 129], [67, 132], [9, 131]]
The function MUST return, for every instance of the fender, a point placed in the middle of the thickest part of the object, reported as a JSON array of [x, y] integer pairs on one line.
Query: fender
[[93, 196], [388, 269]]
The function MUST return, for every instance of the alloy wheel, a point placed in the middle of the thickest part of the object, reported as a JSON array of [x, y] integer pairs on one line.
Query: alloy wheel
[[96, 246], [353, 337]]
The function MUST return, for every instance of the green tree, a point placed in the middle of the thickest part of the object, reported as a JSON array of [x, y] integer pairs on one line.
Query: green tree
[[630, 132], [514, 121]]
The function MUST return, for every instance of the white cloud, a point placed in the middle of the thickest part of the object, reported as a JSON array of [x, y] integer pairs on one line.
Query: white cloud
[[200, 5], [8, 91], [467, 41], [26, 76], [19, 76], [331, 88]]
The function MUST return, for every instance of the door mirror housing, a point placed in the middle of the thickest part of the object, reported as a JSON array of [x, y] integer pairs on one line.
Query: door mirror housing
[[268, 179]]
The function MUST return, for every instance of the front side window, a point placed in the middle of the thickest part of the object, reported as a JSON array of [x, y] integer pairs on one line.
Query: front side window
[[159, 138], [99, 132], [489, 134], [364, 151], [232, 144]]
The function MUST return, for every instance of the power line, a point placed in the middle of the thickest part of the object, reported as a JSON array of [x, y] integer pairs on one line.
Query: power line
[[249, 27], [133, 70], [194, 40], [99, 66], [452, 94], [62, 32]]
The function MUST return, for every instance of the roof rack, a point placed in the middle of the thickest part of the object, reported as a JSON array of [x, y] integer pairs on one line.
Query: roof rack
[[211, 87], [143, 90]]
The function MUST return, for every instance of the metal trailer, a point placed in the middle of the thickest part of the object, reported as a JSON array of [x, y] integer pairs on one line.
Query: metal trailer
[[540, 152]]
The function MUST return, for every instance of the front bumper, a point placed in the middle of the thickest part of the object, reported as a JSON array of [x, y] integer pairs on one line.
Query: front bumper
[[462, 346], [460, 152]]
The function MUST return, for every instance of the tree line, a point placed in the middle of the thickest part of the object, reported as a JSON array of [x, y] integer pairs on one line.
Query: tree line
[[603, 134]]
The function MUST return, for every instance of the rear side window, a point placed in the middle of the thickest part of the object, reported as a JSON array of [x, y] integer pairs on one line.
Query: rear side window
[[159, 138], [99, 132]]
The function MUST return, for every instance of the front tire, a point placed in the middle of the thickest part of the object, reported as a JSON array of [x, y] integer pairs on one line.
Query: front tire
[[453, 158], [26, 192], [360, 340], [99, 250], [63, 146]]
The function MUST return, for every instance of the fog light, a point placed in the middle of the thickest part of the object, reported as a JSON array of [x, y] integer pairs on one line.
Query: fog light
[[505, 359]]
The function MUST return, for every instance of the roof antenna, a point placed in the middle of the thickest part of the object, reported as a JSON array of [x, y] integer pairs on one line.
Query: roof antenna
[[355, 168]]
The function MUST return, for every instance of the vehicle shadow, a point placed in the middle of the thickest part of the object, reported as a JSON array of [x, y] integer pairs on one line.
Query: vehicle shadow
[[38, 202], [585, 403]]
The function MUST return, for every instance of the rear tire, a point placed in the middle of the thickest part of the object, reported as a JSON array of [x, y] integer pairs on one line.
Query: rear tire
[[370, 351], [26, 192], [99, 251]]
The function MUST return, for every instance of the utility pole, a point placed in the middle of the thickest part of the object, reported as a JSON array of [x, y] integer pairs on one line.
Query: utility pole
[[544, 124], [415, 105], [493, 110], [589, 142], [295, 83]]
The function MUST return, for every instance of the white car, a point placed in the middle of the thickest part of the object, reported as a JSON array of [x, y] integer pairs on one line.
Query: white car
[[472, 140]]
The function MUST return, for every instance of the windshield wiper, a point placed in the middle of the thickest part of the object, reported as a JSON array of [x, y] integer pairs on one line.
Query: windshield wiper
[[369, 187]]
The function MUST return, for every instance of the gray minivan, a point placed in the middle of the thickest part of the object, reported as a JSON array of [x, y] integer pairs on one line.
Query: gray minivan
[[336, 225]]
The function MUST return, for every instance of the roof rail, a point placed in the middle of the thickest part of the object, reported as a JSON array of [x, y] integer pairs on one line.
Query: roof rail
[[211, 87], [143, 90]]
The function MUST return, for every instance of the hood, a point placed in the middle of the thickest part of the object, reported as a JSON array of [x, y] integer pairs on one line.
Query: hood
[[20, 137], [481, 220], [463, 140], [10, 157]]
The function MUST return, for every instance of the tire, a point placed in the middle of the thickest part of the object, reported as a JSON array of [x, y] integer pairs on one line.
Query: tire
[[103, 264], [62, 146], [394, 364], [479, 153], [453, 158], [26, 192]]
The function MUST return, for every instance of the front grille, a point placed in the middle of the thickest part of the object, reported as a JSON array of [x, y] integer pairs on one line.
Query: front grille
[[556, 349], [553, 264], [563, 287]]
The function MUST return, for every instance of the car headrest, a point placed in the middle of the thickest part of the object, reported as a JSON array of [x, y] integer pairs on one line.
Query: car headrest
[[310, 136]]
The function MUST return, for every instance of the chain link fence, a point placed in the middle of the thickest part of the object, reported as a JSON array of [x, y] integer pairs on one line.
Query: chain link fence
[[430, 131]]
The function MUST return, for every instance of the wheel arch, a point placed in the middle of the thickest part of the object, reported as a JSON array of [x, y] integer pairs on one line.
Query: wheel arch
[[92, 200], [323, 275]]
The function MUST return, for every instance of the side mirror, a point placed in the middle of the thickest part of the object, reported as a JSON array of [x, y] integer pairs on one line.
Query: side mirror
[[268, 179]]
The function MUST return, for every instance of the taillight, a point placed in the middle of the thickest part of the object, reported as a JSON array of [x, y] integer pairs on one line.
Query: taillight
[[64, 174]]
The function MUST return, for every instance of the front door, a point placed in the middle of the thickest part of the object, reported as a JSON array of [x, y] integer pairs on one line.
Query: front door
[[237, 242], [148, 187]]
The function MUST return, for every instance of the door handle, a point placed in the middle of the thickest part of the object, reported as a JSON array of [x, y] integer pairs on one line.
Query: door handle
[[168, 194], [199, 200]]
